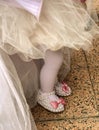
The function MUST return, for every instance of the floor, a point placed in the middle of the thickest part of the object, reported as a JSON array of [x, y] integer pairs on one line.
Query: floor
[[82, 109]]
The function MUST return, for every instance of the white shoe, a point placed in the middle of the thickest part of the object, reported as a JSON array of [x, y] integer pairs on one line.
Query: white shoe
[[52, 105], [62, 89]]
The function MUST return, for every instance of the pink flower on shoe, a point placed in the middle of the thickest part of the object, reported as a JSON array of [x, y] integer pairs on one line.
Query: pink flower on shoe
[[56, 103], [65, 87]]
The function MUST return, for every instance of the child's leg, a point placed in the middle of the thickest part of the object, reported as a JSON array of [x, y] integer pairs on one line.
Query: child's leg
[[46, 96], [53, 61]]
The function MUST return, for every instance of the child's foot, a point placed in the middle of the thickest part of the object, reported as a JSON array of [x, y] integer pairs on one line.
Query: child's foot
[[62, 89], [50, 101]]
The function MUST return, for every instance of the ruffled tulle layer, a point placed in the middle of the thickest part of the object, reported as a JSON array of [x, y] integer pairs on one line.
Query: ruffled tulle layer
[[63, 23]]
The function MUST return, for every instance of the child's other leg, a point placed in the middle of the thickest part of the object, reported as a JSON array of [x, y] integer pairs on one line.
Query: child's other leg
[[52, 64]]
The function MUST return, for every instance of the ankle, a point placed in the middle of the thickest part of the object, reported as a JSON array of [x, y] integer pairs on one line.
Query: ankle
[[46, 91]]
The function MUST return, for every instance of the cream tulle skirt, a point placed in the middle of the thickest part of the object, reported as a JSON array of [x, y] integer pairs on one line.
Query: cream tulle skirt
[[63, 23], [18, 91]]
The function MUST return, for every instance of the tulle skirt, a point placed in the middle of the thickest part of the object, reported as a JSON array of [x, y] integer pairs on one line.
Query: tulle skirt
[[63, 23], [18, 91]]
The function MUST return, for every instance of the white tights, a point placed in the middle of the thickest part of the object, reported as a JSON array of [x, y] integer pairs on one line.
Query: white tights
[[49, 71]]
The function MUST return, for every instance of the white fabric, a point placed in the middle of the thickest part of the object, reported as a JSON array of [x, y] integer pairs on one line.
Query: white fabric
[[14, 110], [33, 6], [28, 75]]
